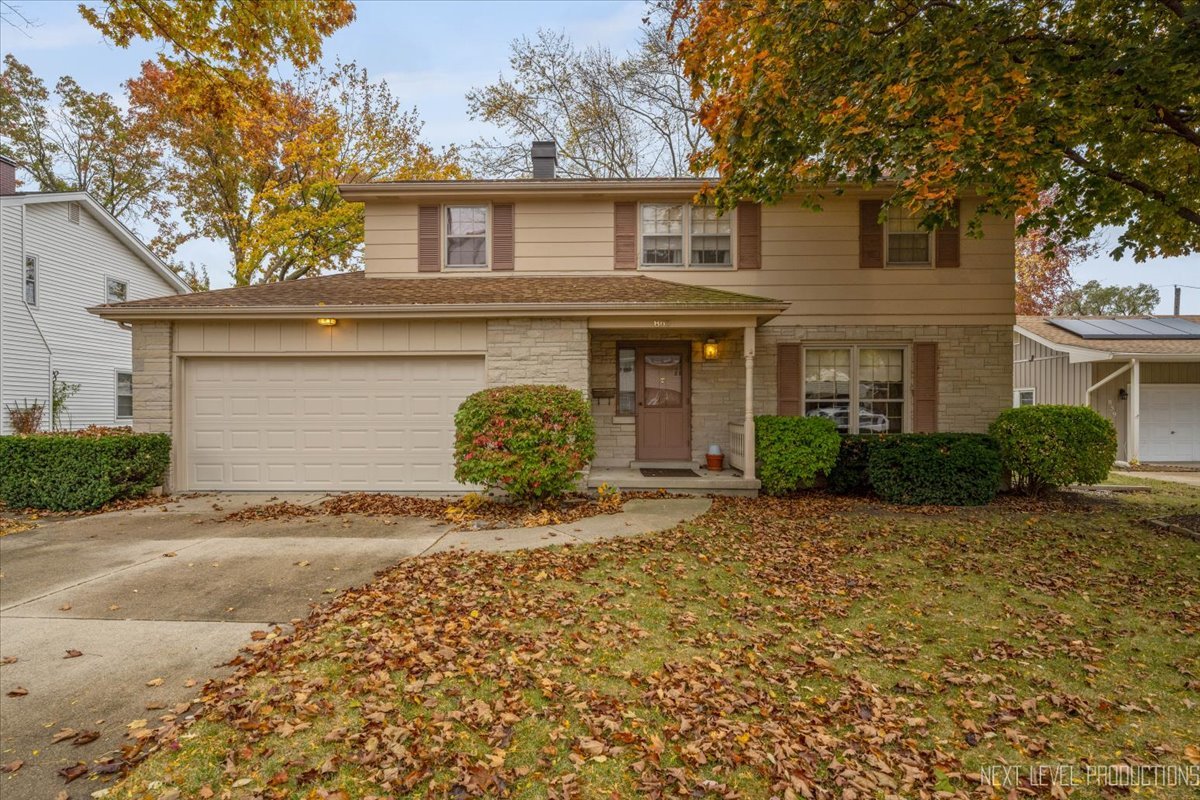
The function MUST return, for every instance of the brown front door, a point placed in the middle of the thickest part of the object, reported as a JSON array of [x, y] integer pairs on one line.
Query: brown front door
[[664, 402]]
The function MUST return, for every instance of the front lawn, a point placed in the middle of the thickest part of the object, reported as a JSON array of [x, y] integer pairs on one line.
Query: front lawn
[[809, 647]]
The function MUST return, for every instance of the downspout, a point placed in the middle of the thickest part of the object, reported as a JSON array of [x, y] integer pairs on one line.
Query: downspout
[[1101, 382]]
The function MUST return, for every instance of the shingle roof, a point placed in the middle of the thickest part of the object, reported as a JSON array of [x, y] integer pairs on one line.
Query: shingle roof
[[355, 289], [1042, 328]]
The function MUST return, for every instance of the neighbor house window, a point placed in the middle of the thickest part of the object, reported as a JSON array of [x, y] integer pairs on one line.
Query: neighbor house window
[[115, 291], [626, 386], [907, 242], [466, 236], [31, 280], [124, 395], [1023, 397], [684, 235], [862, 389]]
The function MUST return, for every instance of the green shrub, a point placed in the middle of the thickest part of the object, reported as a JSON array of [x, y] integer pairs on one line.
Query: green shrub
[[80, 471], [1050, 446], [953, 469], [849, 474], [530, 441], [793, 451]]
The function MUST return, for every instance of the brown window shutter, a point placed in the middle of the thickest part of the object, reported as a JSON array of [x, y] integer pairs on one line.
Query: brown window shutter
[[787, 380], [925, 387], [749, 236], [946, 243], [870, 234], [502, 236], [429, 239], [625, 235]]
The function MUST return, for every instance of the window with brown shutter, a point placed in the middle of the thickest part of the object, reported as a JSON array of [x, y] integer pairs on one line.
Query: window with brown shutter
[[870, 234], [625, 234], [925, 387], [429, 240], [946, 248], [502, 236], [787, 380], [749, 236]]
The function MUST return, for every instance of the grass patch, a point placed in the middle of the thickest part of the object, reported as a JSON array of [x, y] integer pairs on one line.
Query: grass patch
[[810, 645]]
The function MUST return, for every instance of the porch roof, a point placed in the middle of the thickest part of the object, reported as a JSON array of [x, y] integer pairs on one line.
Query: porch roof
[[355, 294]]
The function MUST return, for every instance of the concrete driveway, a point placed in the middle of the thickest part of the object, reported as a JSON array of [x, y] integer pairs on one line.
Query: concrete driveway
[[156, 600]]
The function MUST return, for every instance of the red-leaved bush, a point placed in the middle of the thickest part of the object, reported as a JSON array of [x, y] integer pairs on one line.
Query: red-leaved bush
[[530, 441]]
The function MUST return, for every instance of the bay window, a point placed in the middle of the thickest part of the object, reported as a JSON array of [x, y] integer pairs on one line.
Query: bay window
[[861, 388]]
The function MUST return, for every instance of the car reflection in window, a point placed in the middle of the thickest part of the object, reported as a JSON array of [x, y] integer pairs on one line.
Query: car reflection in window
[[868, 421]]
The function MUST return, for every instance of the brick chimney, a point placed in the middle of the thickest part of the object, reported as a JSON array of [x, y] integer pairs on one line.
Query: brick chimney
[[544, 156], [8, 176]]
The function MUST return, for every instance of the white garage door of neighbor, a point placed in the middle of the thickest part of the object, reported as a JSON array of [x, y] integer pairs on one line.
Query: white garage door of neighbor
[[1170, 422], [324, 423]]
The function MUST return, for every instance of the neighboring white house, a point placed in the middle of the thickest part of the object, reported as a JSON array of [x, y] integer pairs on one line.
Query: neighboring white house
[[1142, 373], [61, 253]]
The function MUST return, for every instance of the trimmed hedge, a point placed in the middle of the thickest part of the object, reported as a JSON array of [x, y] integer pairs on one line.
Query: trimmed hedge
[[75, 472], [952, 469], [849, 474], [793, 451], [530, 441], [1052, 446]]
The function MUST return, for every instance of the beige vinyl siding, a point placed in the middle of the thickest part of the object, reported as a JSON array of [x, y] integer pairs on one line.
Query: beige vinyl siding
[[390, 238], [809, 259], [1054, 380]]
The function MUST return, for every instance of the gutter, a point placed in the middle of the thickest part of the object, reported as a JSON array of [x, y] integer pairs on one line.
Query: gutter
[[419, 311]]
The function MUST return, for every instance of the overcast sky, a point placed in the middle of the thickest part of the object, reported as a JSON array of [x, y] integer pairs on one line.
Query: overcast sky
[[431, 53]]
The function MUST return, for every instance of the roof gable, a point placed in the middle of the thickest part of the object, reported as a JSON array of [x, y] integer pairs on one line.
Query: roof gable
[[107, 221]]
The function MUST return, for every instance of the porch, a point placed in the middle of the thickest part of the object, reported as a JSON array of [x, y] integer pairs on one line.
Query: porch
[[664, 393]]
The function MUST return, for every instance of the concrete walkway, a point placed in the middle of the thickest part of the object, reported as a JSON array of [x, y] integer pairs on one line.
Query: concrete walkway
[[1186, 478], [157, 599]]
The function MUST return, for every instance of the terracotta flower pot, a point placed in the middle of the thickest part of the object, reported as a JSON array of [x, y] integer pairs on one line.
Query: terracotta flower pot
[[716, 463]]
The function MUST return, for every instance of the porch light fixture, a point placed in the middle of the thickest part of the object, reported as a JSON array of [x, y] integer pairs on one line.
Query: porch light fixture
[[326, 322], [711, 349]]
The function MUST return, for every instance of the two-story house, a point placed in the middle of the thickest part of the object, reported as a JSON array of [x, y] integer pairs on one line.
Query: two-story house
[[678, 323], [60, 254]]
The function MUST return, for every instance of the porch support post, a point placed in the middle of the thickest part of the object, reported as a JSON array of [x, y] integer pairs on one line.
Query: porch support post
[[1133, 432], [748, 445]]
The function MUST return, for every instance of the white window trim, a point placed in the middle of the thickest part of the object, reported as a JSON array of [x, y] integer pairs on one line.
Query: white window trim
[[687, 241], [1017, 396], [854, 347], [117, 373], [887, 257], [487, 239], [108, 278], [37, 281]]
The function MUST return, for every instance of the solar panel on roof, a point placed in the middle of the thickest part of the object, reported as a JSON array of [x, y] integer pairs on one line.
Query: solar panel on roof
[[1129, 328]]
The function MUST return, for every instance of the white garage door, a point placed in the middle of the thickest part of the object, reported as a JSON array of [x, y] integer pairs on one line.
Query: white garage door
[[1170, 422], [324, 423]]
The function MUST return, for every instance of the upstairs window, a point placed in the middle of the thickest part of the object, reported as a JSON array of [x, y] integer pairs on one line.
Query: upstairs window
[[684, 235], [466, 236], [115, 291], [31, 280], [907, 243]]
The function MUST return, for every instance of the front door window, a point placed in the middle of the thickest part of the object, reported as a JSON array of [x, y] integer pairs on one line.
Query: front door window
[[664, 380]]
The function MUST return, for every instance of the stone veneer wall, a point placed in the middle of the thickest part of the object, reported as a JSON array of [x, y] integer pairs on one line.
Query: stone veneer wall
[[537, 350], [718, 393], [975, 365], [152, 348]]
